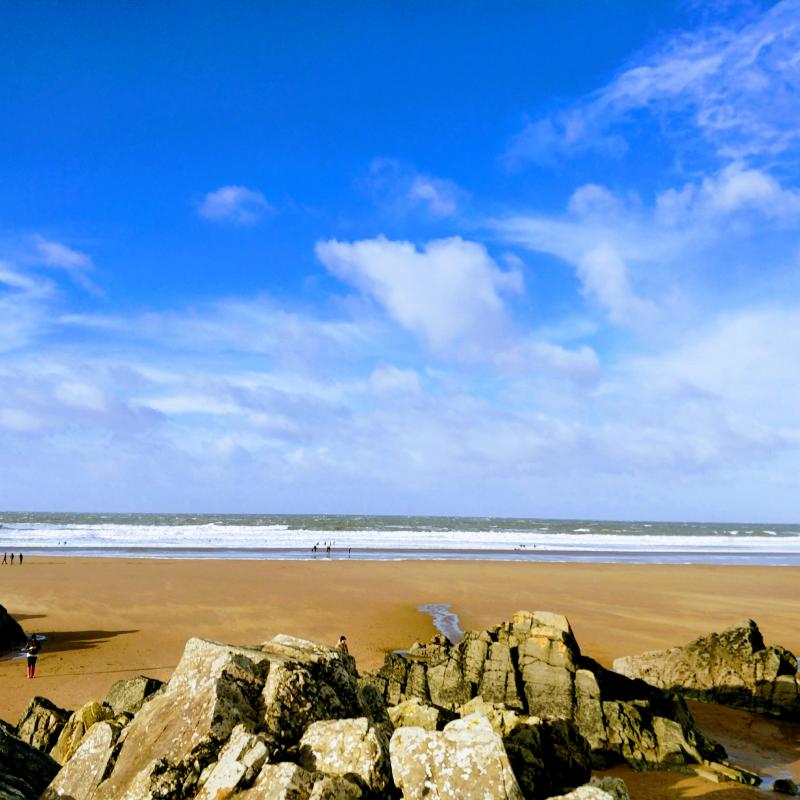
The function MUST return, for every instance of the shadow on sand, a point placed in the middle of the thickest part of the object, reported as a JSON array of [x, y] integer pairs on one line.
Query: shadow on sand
[[60, 641]]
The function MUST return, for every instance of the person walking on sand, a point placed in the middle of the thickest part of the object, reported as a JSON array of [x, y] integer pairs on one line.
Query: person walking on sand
[[5, 558], [32, 651]]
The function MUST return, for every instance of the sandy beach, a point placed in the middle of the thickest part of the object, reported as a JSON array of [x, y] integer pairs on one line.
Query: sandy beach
[[107, 619]]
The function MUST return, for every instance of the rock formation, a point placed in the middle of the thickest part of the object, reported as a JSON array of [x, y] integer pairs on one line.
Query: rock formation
[[24, 770], [41, 723], [128, 696], [533, 666], [733, 668], [11, 634], [512, 712]]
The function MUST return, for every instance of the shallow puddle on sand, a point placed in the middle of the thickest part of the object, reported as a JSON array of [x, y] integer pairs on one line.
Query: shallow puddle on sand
[[444, 620]]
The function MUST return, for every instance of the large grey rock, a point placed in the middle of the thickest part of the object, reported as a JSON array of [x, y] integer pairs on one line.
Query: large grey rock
[[178, 734], [532, 665], [465, 760], [547, 756], [225, 711], [733, 668], [88, 766], [11, 634], [598, 789], [24, 770], [128, 696], [41, 723], [348, 747], [413, 713], [240, 761], [287, 781], [76, 728]]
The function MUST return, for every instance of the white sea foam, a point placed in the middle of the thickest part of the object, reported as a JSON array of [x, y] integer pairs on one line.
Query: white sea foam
[[116, 538]]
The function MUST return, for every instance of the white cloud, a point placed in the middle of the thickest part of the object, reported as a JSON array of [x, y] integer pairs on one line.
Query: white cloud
[[236, 205], [400, 189], [713, 81], [448, 292], [393, 380]]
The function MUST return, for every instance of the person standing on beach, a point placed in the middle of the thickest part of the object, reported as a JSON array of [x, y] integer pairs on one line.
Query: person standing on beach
[[32, 651], [5, 558], [12, 558], [20, 559]]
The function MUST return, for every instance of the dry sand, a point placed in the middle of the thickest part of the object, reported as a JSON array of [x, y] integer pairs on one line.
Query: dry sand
[[107, 619]]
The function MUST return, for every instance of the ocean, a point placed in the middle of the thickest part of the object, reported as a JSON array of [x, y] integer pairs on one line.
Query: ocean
[[396, 538]]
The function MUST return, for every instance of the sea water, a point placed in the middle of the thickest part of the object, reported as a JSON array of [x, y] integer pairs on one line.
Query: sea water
[[396, 538]]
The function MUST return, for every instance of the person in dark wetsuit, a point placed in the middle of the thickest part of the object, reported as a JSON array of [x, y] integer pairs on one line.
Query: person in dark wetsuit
[[20, 559], [5, 558], [32, 652]]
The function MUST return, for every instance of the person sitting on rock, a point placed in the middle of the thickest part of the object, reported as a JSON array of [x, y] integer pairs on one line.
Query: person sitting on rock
[[342, 646]]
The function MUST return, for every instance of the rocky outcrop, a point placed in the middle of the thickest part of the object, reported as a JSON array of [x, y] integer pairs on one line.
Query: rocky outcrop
[[128, 696], [733, 668], [11, 634], [41, 723], [466, 759], [533, 666], [226, 714], [292, 720], [24, 770]]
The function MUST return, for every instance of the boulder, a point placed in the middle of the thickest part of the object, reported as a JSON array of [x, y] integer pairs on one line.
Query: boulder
[[88, 766], [547, 756], [12, 636], [732, 668], [41, 723], [76, 728], [240, 761], [287, 781], [785, 786], [466, 759], [532, 665], [413, 713], [128, 696], [24, 770], [348, 747], [598, 789]]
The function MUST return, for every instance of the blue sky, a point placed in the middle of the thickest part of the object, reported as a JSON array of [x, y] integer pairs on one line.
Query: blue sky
[[523, 259]]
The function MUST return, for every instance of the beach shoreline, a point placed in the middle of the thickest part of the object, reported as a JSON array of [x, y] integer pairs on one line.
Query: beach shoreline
[[107, 619]]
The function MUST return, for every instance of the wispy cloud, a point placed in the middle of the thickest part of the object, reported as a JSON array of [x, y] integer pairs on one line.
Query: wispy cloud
[[400, 189], [58, 255], [631, 259], [712, 81], [234, 205]]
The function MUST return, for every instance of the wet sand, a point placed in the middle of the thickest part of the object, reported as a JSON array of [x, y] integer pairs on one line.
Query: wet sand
[[107, 619]]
